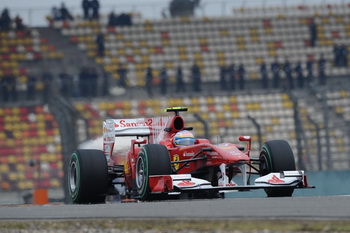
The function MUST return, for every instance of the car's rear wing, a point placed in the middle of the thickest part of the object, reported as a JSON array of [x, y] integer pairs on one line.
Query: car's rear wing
[[127, 127], [152, 127], [135, 127]]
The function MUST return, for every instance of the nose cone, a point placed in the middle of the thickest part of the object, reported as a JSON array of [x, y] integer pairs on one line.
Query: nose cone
[[231, 153]]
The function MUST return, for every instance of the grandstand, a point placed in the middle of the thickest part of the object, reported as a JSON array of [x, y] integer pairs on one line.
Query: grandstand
[[37, 136], [214, 41], [30, 148]]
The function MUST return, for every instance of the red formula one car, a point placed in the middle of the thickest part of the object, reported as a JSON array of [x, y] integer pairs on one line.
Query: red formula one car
[[164, 160]]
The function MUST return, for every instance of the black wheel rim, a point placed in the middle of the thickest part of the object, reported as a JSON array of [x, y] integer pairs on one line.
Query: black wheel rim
[[140, 173], [73, 177]]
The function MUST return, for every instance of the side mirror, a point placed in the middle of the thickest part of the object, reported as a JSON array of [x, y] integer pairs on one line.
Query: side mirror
[[245, 138]]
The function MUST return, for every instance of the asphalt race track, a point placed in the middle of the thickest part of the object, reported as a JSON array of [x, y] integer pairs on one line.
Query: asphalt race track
[[317, 208]]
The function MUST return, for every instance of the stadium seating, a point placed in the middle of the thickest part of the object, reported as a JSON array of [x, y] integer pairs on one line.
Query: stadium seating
[[248, 37], [340, 101], [30, 149], [18, 47]]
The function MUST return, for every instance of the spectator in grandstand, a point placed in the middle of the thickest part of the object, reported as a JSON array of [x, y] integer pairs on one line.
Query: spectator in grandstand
[[13, 87], [65, 14], [122, 74], [8, 87], [100, 41], [180, 84], [300, 76], [322, 70], [86, 9], [95, 6], [84, 81], [66, 81], [163, 80], [313, 32], [112, 19], [275, 68], [223, 73], [93, 80], [196, 78], [309, 69], [105, 83], [232, 77], [88, 79], [343, 55], [31, 84], [264, 75], [288, 72], [183, 8], [85, 5], [337, 55], [123, 20], [5, 20], [19, 23], [55, 13], [340, 53], [4, 89], [241, 76], [47, 78], [149, 82], [76, 87]]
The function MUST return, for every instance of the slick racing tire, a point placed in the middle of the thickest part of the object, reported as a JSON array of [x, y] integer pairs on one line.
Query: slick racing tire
[[88, 177], [153, 159], [276, 156]]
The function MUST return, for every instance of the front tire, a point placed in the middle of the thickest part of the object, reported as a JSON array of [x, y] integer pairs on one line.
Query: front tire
[[277, 156], [153, 159], [88, 177]]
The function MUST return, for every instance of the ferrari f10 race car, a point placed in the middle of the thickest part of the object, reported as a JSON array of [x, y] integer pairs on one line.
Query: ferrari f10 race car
[[164, 160]]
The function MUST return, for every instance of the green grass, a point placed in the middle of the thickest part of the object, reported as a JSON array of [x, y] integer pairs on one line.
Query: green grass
[[178, 225]]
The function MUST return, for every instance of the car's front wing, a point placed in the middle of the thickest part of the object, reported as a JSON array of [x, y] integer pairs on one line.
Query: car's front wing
[[187, 183]]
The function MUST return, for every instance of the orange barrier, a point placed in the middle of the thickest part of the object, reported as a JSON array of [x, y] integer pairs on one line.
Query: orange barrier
[[40, 197]]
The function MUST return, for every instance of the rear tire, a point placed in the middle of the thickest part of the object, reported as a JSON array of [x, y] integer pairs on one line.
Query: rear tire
[[277, 156], [88, 177], [153, 159]]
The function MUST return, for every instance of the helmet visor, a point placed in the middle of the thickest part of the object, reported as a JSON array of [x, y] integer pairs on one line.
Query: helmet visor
[[184, 141]]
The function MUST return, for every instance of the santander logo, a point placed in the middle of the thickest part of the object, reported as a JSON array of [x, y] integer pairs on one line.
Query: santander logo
[[275, 180], [132, 123]]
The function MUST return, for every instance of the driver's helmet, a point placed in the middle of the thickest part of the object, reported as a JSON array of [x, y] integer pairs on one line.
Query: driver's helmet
[[184, 138]]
